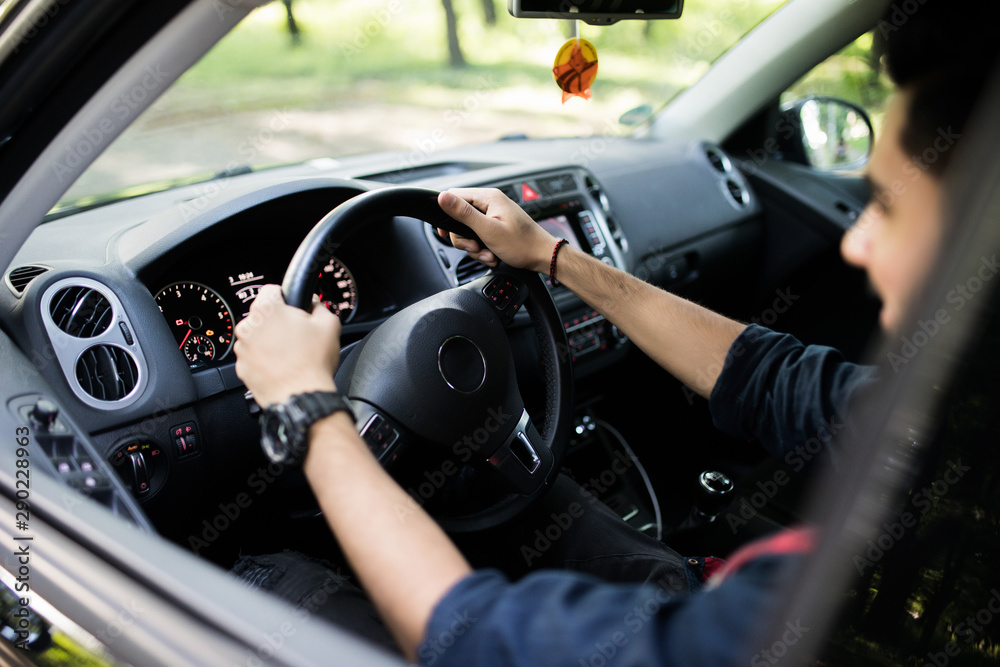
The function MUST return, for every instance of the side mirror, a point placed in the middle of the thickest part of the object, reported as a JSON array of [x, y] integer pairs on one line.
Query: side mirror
[[827, 134]]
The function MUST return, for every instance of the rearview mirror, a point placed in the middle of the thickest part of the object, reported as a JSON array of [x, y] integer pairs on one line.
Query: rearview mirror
[[830, 134], [596, 12]]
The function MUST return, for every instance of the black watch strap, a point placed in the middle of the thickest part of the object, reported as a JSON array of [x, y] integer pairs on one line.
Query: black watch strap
[[285, 427], [318, 404]]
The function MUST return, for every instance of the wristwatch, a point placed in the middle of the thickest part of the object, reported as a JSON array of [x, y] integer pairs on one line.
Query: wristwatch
[[284, 427]]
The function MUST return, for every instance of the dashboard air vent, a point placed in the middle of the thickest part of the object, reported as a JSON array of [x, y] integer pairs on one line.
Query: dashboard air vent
[[738, 193], [718, 161], [557, 184], [19, 278], [595, 191], [511, 192], [468, 270], [616, 234], [82, 312], [107, 373]]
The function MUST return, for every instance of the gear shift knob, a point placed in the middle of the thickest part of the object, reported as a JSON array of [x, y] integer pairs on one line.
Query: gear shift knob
[[714, 493]]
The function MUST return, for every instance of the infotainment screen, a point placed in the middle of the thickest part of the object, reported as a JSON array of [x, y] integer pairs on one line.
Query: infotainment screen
[[560, 228]]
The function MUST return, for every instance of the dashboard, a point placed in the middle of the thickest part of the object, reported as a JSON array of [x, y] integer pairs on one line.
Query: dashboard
[[210, 283], [202, 319], [127, 311]]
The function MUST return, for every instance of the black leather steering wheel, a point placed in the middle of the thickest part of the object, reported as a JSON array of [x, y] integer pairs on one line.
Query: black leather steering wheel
[[441, 371]]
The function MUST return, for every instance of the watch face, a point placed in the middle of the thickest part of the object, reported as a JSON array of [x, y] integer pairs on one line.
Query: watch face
[[285, 428], [274, 434]]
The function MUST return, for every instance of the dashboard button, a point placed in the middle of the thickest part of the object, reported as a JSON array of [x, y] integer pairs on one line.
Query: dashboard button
[[126, 334], [185, 439]]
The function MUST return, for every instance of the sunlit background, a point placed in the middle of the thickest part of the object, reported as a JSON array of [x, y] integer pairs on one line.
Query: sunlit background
[[369, 76]]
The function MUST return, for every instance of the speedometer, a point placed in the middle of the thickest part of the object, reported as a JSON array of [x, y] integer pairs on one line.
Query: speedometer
[[337, 290], [200, 320]]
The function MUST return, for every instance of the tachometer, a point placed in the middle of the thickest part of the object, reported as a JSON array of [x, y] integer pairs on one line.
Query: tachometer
[[200, 320], [337, 290]]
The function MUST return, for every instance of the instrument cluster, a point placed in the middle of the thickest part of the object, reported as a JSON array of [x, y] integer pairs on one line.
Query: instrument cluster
[[202, 313]]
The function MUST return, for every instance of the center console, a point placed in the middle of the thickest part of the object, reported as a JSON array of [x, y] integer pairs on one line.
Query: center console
[[569, 204]]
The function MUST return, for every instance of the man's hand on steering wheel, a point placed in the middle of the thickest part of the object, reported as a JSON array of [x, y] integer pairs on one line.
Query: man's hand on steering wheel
[[282, 350], [508, 232]]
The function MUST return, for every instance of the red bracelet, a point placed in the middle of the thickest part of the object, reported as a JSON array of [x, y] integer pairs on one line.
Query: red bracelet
[[552, 265]]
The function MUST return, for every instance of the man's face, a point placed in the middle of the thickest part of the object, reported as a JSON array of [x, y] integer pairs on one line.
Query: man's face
[[896, 238]]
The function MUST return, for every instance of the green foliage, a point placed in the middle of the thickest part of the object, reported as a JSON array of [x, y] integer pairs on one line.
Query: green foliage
[[854, 74], [345, 45], [64, 651], [368, 76]]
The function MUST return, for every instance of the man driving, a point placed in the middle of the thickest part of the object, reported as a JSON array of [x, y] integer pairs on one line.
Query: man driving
[[759, 384]]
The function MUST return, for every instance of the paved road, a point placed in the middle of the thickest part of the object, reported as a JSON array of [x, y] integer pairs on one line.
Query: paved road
[[159, 148]]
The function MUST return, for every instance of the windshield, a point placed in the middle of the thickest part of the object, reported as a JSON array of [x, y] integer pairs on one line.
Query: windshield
[[312, 79]]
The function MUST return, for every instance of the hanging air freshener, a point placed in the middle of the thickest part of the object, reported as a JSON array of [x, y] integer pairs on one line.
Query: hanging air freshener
[[575, 67]]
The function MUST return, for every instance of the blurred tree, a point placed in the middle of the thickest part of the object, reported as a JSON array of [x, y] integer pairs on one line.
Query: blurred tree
[[455, 57], [489, 12], [293, 27]]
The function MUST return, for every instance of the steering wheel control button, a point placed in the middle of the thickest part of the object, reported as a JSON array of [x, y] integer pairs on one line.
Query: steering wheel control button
[[518, 462], [379, 435], [185, 438], [523, 451], [462, 364], [374, 424], [500, 292]]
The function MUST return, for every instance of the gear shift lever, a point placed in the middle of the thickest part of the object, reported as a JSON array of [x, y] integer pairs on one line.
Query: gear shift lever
[[714, 491]]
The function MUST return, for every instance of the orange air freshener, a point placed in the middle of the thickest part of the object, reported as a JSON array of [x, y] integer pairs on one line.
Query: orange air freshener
[[575, 68]]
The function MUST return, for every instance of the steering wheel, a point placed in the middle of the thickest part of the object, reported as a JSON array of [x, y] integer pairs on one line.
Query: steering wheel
[[440, 373]]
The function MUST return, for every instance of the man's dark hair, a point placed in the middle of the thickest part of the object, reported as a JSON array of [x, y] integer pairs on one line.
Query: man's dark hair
[[945, 51]]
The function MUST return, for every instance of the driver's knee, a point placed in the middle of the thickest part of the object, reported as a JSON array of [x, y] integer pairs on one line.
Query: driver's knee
[[316, 588]]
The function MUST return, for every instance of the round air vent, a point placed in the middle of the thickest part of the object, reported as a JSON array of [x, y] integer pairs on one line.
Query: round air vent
[[80, 311], [738, 193], [107, 373], [718, 161]]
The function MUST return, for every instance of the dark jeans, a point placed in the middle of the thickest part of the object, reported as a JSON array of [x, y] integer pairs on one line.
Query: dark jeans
[[571, 529], [567, 529]]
